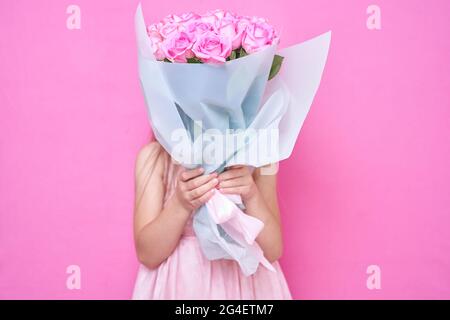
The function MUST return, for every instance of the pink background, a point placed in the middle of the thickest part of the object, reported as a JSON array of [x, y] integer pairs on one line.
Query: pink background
[[368, 182]]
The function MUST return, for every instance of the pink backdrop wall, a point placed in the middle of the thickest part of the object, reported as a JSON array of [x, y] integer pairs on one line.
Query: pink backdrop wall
[[368, 183]]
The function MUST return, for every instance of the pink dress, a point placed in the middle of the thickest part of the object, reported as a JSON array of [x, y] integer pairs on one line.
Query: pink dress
[[187, 274]]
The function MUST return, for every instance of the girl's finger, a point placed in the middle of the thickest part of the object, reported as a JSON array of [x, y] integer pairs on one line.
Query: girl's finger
[[204, 198], [238, 166], [186, 175], [231, 174], [200, 191], [236, 182], [234, 190], [196, 182]]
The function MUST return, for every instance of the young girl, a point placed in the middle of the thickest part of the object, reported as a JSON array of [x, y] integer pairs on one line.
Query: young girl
[[172, 263]]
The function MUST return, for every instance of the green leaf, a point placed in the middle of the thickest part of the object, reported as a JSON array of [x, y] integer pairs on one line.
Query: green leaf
[[233, 55], [242, 53], [276, 66], [193, 60], [167, 60]]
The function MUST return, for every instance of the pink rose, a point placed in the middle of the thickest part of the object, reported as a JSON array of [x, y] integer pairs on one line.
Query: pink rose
[[177, 48], [155, 40], [169, 19], [174, 23], [233, 28], [212, 17], [168, 28], [258, 35], [187, 17], [198, 27], [212, 48], [179, 19], [243, 22], [224, 23]]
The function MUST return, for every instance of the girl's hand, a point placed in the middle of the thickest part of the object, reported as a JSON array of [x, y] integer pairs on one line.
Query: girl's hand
[[194, 189], [238, 180]]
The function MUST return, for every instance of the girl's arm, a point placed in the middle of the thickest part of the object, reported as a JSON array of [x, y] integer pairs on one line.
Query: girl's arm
[[259, 195], [158, 228]]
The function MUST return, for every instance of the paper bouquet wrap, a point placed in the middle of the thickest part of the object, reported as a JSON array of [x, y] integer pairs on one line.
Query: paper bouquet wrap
[[195, 107]]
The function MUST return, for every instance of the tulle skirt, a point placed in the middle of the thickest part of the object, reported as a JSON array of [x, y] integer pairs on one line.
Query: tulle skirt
[[188, 275]]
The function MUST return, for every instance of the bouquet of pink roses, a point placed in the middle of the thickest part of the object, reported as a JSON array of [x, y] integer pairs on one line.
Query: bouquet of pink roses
[[216, 90], [215, 37]]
